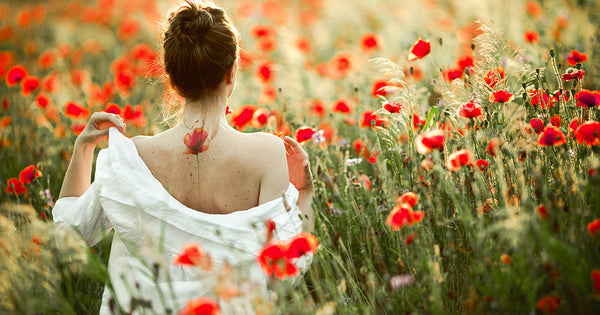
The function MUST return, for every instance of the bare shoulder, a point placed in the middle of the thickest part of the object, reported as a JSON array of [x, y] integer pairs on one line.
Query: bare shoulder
[[270, 161], [140, 139], [266, 141]]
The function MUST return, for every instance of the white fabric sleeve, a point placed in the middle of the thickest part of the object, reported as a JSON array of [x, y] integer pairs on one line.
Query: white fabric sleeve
[[84, 214]]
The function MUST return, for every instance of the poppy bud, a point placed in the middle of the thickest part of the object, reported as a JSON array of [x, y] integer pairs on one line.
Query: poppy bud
[[552, 53]]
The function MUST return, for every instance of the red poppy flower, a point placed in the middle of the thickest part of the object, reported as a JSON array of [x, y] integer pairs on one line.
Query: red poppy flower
[[304, 134], [548, 304], [42, 100], [410, 198], [537, 125], [275, 11], [47, 60], [551, 136], [419, 49], [128, 28], [464, 61], [481, 164], [532, 37], [193, 255], [452, 74], [76, 111], [370, 120], [135, 115], [501, 96], [124, 81], [29, 84], [15, 75], [50, 83], [121, 64], [543, 212], [403, 215], [540, 97], [596, 279], [430, 140], [491, 77], [302, 244], [418, 121], [267, 44], [113, 109], [6, 33], [28, 174], [588, 132], [341, 65], [242, 116], [392, 107], [77, 128], [534, 9], [201, 306], [270, 228], [555, 121], [358, 145], [260, 117], [303, 44], [370, 42], [78, 76], [587, 98], [5, 61], [574, 57], [273, 260], [382, 88], [573, 73], [262, 31], [14, 186], [267, 94], [5, 122], [575, 123], [458, 159], [317, 107], [196, 141], [373, 159], [594, 227], [246, 59], [472, 109], [265, 72], [342, 106]]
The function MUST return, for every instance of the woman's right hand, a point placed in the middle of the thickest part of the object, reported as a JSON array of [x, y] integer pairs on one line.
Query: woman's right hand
[[96, 129]]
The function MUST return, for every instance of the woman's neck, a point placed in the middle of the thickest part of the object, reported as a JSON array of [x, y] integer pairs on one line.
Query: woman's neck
[[207, 112]]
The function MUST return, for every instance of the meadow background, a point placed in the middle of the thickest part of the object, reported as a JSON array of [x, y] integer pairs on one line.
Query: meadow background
[[517, 231]]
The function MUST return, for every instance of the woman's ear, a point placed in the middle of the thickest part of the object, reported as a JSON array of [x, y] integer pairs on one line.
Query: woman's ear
[[232, 73]]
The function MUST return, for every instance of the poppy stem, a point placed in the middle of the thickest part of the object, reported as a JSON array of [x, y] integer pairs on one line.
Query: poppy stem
[[198, 169]]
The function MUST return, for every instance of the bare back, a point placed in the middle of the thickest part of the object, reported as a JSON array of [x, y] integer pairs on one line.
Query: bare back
[[237, 172]]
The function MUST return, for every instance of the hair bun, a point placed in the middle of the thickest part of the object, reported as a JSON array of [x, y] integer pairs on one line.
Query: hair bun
[[190, 24]]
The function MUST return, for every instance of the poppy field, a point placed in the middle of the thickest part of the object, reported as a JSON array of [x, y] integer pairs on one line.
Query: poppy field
[[455, 148]]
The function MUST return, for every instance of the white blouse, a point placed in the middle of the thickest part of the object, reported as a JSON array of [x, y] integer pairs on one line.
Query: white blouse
[[151, 227]]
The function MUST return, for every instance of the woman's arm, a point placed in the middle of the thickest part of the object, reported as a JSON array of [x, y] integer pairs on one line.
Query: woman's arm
[[301, 178], [78, 177]]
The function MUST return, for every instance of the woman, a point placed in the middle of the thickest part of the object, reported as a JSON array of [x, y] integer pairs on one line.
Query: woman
[[200, 181]]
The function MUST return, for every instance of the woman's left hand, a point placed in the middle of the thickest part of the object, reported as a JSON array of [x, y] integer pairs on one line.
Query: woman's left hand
[[96, 129], [298, 165]]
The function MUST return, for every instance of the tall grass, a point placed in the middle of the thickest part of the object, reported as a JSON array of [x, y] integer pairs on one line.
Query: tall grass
[[483, 245]]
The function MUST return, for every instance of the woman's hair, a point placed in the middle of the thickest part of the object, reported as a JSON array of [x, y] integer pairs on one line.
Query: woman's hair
[[200, 47]]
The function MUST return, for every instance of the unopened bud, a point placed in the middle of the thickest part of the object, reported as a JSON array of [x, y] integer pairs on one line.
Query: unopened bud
[[552, 53]]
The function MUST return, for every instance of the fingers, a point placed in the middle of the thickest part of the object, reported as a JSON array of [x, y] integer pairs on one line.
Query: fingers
[[103, 120], [293, 147]]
